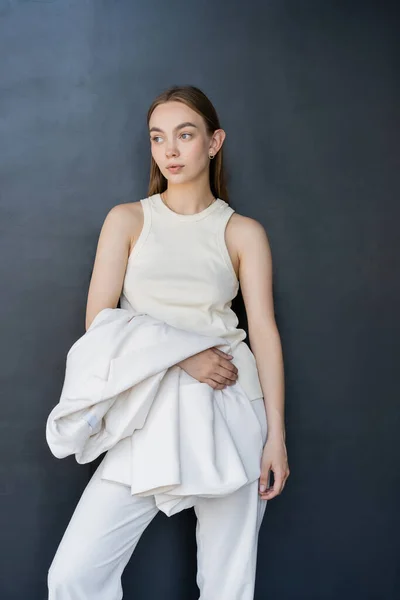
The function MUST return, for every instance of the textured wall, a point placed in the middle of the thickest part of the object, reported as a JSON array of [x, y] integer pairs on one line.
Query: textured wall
[[308, 93]]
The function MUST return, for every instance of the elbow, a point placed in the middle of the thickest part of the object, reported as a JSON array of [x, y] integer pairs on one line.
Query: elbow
[[91, 315], [88, 323]]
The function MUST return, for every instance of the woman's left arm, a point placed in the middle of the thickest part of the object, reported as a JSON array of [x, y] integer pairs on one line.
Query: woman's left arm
[[256, 283]]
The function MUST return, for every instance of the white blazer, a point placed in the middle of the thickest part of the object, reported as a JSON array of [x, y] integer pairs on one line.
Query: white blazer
[[166, 434]]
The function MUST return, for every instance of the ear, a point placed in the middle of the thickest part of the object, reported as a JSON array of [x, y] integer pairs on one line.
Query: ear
[[217, 140]]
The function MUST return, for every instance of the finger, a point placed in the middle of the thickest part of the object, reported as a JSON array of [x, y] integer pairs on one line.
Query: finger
[[226, 366], [263, 480], [217, 383], [274, 490], [270, 492], [225, 378], [221, 353], [228, 369], [285, 480], [214, 384], [267, 496], [278, 481]]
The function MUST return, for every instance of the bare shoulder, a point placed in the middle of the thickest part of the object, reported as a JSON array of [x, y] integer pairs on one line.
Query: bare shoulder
[[242, 230], [130, 211], [128, 219], [245, 237]]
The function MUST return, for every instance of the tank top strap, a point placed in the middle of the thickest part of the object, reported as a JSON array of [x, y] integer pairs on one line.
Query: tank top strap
[[223, 217], [147, 220]]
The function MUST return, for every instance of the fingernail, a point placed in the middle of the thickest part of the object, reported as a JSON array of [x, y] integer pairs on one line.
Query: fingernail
[[262, 487]]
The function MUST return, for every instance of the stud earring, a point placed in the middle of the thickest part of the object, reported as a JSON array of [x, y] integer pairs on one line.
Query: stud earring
[[211, 156]]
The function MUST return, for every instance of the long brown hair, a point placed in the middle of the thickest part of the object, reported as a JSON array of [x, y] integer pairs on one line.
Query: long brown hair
[[198, 101]]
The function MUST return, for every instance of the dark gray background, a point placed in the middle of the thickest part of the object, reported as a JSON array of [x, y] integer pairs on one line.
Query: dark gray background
[[308, 93]]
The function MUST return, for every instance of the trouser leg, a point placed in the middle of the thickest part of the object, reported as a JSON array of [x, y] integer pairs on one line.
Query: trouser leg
[[227, 538], [98, 542]]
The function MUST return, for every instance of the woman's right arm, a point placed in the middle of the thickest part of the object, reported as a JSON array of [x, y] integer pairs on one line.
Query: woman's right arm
[[111, 258]]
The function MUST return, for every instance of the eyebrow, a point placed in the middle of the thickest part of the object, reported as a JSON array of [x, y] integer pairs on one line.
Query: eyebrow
[[186, 124]]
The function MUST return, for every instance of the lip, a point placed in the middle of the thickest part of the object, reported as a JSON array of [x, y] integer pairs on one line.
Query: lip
[[174, 168]]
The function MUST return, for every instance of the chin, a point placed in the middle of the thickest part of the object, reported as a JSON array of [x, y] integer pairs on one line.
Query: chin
[[172, 177]]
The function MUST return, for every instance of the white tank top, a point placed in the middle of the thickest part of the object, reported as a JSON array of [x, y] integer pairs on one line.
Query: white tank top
[[180, 272]]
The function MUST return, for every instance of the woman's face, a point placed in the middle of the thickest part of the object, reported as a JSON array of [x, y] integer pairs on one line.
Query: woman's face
[[178, 136]]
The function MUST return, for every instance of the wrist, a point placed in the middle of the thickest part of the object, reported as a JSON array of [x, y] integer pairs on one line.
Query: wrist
[[276, 434]]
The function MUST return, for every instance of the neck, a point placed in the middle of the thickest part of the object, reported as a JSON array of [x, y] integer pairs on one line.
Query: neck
[[187, 199]]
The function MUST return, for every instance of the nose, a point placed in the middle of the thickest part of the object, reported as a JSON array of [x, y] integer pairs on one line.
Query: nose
[[171, 149]]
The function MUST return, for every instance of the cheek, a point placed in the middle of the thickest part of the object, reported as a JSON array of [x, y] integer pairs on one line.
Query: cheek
[[195, 153], [156, 154]]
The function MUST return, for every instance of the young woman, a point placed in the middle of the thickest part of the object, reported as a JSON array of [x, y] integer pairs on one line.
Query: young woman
[[179, 255]]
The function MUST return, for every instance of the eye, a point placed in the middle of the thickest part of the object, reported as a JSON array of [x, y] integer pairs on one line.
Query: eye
[[189, 134], [154, 138]]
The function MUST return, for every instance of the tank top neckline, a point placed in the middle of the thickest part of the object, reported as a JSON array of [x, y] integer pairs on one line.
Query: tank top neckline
[[192, 217]]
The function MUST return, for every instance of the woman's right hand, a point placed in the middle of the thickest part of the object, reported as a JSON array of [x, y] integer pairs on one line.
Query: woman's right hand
[[211, 366]]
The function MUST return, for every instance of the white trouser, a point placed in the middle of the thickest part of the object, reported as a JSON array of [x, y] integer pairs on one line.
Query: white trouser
[[108, 522]]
